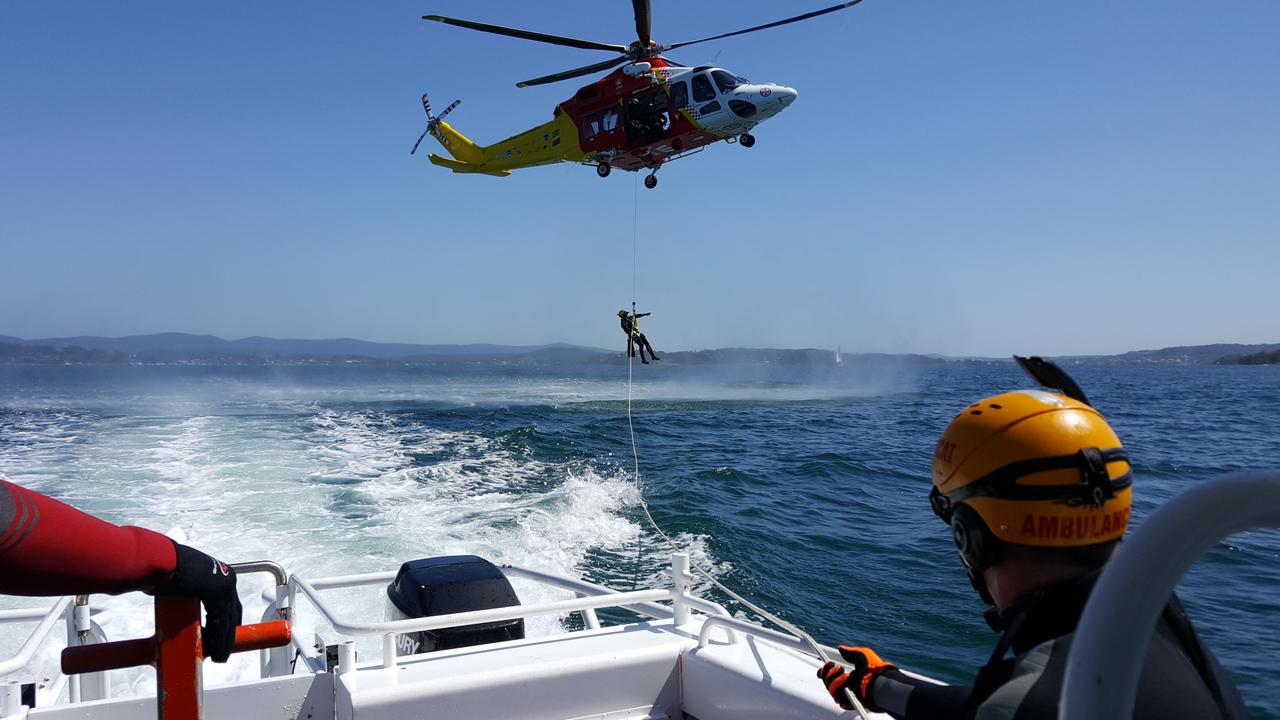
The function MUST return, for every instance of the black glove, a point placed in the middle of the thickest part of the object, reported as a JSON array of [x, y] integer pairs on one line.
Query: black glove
[[214, 584], [865, 665]]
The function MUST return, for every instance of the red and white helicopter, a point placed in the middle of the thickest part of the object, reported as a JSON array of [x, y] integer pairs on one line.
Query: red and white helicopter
[[642, 115]]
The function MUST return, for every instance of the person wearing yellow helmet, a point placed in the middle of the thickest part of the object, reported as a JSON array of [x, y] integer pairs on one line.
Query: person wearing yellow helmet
[[1037, 490], [635, 338]]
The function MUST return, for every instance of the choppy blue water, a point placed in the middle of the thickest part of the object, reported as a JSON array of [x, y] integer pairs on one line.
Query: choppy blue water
[[804, 488]]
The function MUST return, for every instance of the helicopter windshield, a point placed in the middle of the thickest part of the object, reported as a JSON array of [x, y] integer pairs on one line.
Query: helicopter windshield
[[725, 81]]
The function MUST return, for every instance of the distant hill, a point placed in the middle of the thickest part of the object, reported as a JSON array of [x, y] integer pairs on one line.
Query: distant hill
[[1190, 354], [15, 353], [181, 346], [1259, 358]]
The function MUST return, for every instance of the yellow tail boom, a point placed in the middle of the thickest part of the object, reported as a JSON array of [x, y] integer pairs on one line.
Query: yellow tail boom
[[551, 142]]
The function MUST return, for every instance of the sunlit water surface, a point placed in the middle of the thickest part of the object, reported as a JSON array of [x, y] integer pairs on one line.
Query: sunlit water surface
[[802, 487]]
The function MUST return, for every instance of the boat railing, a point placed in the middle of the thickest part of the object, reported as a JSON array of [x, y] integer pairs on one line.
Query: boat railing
[[175, 650], [1111, 641], [730, 625], [589, 597], [673, 602], [76, 615], [11, 691], [48, 617], [81, 629]]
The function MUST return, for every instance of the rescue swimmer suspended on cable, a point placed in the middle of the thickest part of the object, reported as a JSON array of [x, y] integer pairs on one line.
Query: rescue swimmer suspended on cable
[[631, 326], [649, 112]]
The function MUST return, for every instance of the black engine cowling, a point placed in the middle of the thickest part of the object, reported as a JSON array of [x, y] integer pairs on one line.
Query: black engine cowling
[[451, 584]]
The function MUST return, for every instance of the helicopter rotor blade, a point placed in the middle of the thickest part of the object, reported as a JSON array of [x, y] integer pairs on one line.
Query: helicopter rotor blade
[[526, 34], [426, 107], [433, 121], [643, 24], [448, 110], [589, 69], [420, 139], [766, 26]]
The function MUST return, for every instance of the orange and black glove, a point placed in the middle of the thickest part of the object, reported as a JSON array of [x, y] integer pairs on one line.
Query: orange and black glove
[[864, 666]]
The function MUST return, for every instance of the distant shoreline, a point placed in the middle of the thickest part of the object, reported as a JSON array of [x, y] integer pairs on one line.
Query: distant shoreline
[[1263, 357], [184, 349]]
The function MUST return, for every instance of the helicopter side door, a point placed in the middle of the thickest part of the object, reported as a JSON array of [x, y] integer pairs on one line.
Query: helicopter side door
[[646, 116]]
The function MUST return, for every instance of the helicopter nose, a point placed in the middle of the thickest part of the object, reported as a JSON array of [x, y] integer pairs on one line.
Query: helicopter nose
[[786, 95]]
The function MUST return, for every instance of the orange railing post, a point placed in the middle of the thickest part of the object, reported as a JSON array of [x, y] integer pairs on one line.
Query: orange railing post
[[179, 682], [175, 652]]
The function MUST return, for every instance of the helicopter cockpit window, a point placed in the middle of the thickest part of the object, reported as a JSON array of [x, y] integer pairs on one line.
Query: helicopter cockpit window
[[702, 90], [724, 81], [679, 94]]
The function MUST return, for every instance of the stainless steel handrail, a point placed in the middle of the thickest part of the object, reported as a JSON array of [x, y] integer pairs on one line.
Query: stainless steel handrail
[[270, 567], [653, 610], [22, 615], [473, 617], [49, 618], [589, 597]]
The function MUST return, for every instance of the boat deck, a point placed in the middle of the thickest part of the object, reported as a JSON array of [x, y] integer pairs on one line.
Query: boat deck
[[686, 659]]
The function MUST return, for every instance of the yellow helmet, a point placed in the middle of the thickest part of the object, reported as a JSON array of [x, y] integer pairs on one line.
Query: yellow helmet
[[1031, 468], [622, 313]]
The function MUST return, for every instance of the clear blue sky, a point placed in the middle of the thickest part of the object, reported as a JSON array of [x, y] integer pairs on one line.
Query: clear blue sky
[[956, 177]]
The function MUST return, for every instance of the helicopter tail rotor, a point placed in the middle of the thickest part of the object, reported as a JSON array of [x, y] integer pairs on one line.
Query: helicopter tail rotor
[[433, 121]]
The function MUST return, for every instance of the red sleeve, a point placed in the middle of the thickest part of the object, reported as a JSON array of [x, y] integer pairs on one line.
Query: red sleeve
[[50, 548]]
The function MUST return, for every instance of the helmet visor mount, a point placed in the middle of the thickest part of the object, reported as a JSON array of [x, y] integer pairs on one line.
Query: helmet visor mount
[[1095, 486]]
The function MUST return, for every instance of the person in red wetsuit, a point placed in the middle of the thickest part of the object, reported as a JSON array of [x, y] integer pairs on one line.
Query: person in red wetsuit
[[50, 548]]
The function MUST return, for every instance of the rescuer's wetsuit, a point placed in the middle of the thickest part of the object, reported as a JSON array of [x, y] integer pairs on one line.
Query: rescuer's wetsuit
[[635, 337], [1180, 678], [49, 548]]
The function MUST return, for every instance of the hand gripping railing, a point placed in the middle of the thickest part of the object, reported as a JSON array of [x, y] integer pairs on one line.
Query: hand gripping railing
[[1114, 632], [175, 652]]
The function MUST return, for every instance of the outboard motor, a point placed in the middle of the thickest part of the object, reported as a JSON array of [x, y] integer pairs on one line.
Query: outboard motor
[[451, 584]]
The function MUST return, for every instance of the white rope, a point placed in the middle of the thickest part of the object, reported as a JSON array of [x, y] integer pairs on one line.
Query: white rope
[[635, 458]]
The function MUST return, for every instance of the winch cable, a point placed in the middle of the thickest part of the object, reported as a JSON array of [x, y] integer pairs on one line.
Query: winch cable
[[635, 224], [635, 458]]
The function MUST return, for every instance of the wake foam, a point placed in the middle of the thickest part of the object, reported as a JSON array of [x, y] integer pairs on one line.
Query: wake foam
[[331, 492]]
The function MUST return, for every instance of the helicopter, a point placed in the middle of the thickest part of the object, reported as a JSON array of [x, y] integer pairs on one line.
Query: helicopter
[[642, 115]]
